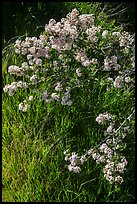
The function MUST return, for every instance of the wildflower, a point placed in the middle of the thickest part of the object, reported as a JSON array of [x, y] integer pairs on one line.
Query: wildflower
[[109, 178], [133, 61], [52, 22], [81, 57], [32, 50], [108, 152], [38, 62], [55, 96], [102, 147], [105, 33], [101, 159], [103, 117], [69, 102], [25, 66], [30, 98], [109, 141], [91, 32], [111, 63], [10, 88], [120, 167], [86, 20], [74, 159], [118, 82], [118, 180], [107, 66], [94, 61], [45, 96], [86, 63], [21, 84], [66, 152], [74, 169], [66, 99], [110, 79], [33, 79], [126, 40], [78, 72], [127, 79], [116, 34], [90, 152], [13, 69], [83, 159], [58, 86], [23, 106], [110, 129], [95, 156]]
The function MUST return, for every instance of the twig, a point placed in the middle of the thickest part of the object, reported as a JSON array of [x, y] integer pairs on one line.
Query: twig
[[18, 37], [112, 10], [114, 14], [128, 118]]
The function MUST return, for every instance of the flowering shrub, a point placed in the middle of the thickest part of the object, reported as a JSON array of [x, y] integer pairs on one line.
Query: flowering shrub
[[108, 152], [68, 54]]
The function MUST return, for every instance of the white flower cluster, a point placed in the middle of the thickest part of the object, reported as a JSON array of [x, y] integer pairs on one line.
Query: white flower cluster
[[33, 79], [105, 33], [13, 87], [55, 96], [74, 160], [81, 57], [112, 169], [127, 79], [19, 71], [118, 83], [94, 61], [33, 48], [23, 106], [82, 22], [61, 34], [21, 84], [103, 117], [13, 69], [86, 21], [125, 39], [111, 63], [10, 88], [78, 72], [105, 153], [66, 99], [58, 86], [30, 98], [92, 31], [45, 96]]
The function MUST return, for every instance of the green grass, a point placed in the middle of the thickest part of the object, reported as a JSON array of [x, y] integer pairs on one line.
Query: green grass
[[33, 165]]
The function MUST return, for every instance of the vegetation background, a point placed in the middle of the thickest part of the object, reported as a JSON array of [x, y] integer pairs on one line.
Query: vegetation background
[[32, 167], [29, 17]]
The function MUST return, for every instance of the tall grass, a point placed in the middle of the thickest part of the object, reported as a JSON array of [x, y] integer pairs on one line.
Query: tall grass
[[33, 166]]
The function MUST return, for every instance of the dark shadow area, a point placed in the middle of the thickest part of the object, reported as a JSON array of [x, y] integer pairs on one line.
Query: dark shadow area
[[29, 18]]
